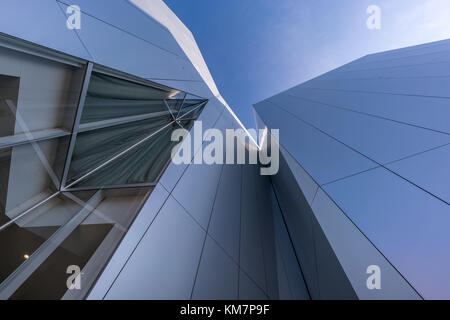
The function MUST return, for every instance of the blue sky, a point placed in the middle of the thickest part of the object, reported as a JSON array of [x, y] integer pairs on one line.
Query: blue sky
[[257, 48]]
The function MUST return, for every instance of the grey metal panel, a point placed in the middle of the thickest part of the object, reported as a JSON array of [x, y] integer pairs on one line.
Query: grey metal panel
[[426, 48], [428, 86], [429, 170], [248, 290], [197, 187], [267, 233], [379, 139], [322, 157], [437, 69], [284, 291], [304, 180], [131, 240], [408, 225], [355, 254], [41, 22], [164, 264], [225, 219], [298, 217], [288, 268], [401, 59], [124, 15], [428, 112], [333, 283], [251, 249], [217, 275], [130, 54], [196, 191]]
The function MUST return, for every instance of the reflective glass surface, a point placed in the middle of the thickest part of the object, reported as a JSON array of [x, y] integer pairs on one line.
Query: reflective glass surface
[[29, 173], [109, 98], [30, 105], [50, 146], [92, 148], [142, 164], [22, 238], [96, 221]]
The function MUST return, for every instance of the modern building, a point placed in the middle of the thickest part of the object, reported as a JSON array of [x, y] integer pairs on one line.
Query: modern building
[[92, 207], [364, 174], [87, 185]]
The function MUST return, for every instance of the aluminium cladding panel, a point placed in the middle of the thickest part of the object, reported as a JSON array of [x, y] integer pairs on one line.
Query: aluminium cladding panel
[[333, 253], [218, 274], [422, 49], [378, 139], [400, 108], [248, 289], [124, 15], [41, 22], [436, 69], [429, 170], [408, 225], [129, 243], [257, 249], [422, 86], [324, 158], [197, 188], [291, 283], [297, 215], [164, 264], [422, 54], [117, 49], [226, 216], [355, 254]]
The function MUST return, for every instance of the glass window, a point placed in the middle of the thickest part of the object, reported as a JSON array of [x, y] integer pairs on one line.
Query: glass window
[[19, 240], [96, 228], [108, 162], [93, 148], [143, 164], [29, 104], [111, 98]]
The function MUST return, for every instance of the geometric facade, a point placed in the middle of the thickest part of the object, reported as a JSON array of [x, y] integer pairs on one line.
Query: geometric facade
[[87, 181], [368, 145]]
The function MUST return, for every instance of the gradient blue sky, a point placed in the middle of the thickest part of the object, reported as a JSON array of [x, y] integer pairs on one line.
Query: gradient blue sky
[[257, 48]]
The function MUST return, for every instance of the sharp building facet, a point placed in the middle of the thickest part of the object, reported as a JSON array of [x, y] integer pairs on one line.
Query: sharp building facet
[[92, 207]]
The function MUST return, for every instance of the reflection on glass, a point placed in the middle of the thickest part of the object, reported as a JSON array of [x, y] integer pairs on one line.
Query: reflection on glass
[[92, 148], [29, 173], [140, 165], [127, 123], [22, 238], [9, 91], [192, 111], [111, 98], [44, 97], [87, 247]]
